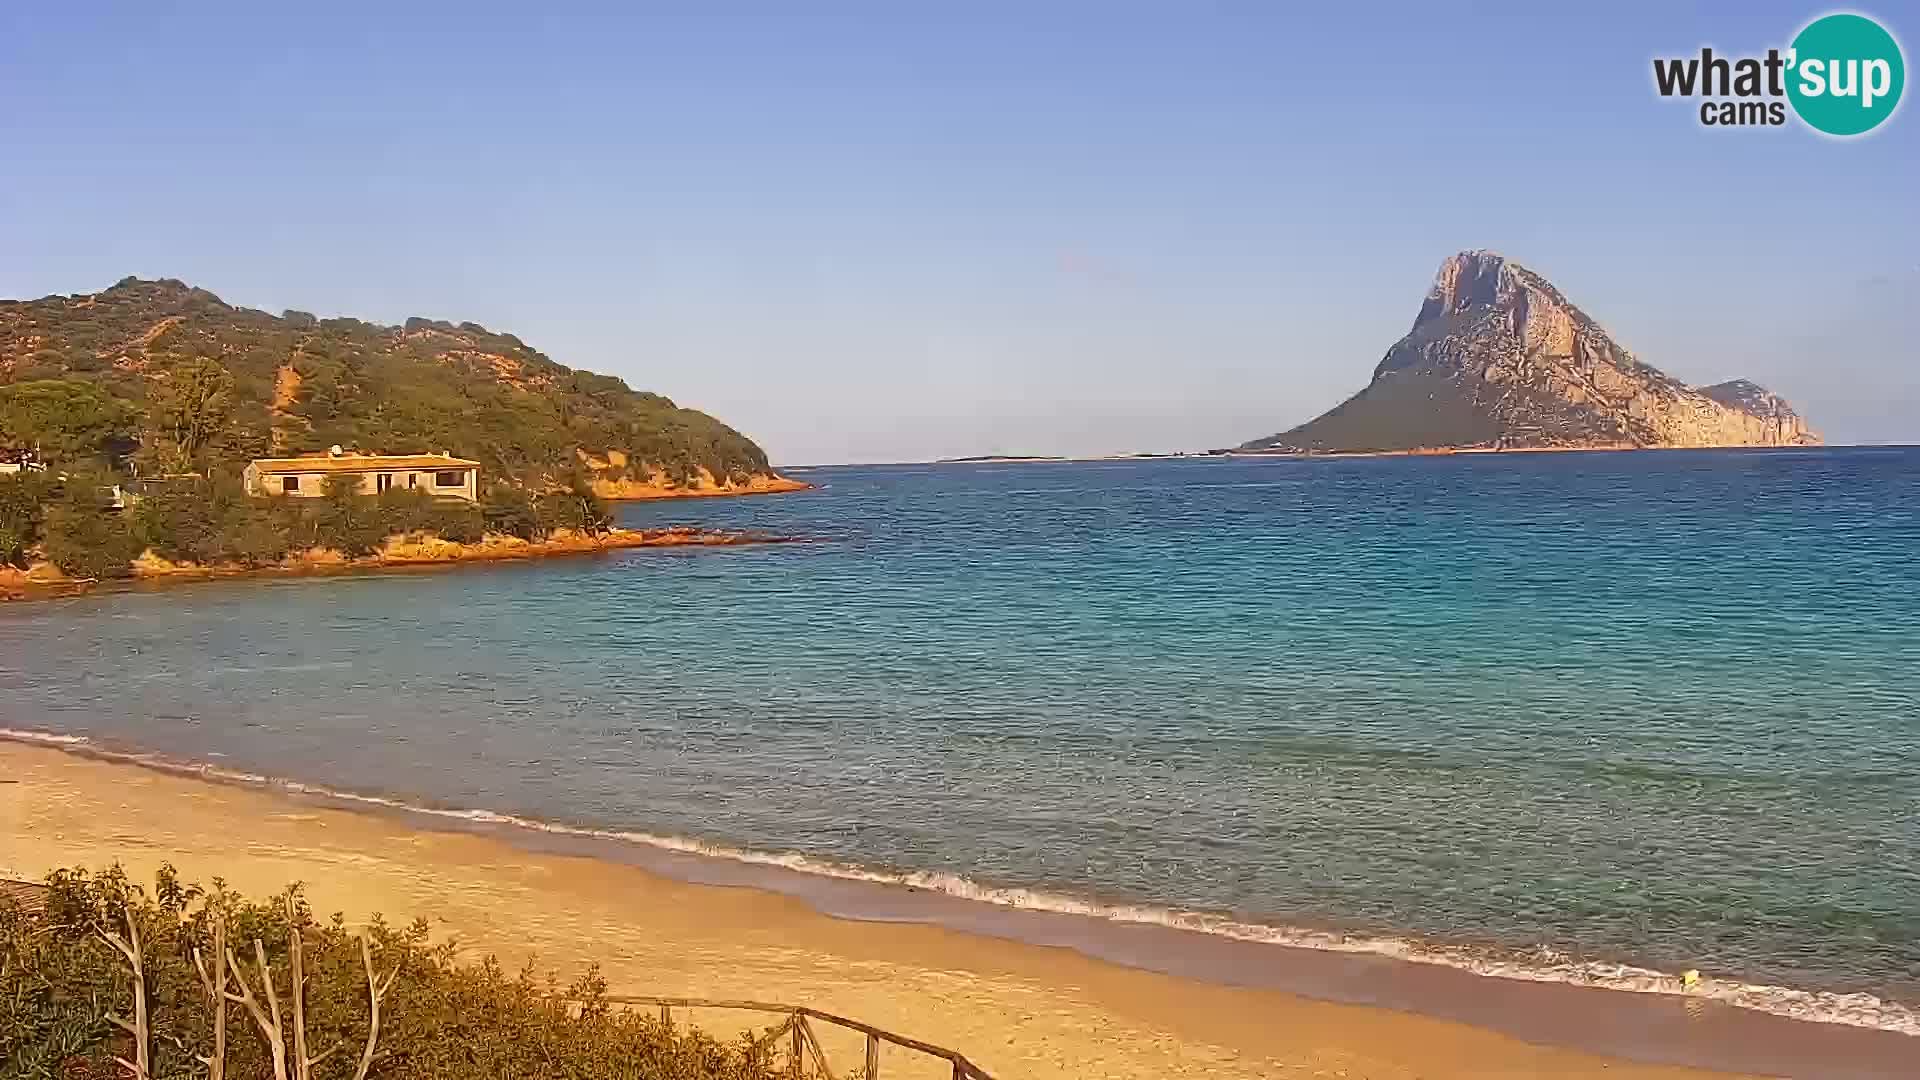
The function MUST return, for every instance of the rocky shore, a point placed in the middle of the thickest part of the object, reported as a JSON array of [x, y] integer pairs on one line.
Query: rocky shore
[[44, 580], [622, 489]]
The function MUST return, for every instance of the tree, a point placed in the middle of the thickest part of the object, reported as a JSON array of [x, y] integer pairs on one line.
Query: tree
[[21, 499], [181, 523], [347, 521], [509, 511], [192, 406], [70, 421], [577, 507], [84, 535]]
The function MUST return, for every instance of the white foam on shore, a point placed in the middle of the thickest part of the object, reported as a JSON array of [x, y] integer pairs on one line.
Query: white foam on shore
[[1818, 1006]]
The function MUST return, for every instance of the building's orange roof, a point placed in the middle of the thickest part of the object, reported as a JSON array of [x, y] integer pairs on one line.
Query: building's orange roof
[[360, 463]]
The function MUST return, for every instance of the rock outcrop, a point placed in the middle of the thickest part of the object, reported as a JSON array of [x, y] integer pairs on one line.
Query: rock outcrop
[[1499, 359]]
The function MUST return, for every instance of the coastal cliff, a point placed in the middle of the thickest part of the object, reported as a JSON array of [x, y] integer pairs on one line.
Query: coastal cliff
[[1499, 359]]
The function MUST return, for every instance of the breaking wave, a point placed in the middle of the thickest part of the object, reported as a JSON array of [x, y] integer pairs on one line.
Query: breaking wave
[[1545, 966]]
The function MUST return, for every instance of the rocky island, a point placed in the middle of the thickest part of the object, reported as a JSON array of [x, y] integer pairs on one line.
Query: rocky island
[[1499, 359]]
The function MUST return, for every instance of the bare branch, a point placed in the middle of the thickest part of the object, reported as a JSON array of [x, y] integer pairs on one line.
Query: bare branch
[[376, 990], [215, 985], [269, 1026], [302, 1064], [266, 982], [129, 949]]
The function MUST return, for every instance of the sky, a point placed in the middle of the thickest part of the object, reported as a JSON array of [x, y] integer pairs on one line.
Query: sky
[[914, 230]]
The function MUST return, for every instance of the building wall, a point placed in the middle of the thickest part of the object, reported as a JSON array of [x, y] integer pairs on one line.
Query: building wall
[[314, 484]]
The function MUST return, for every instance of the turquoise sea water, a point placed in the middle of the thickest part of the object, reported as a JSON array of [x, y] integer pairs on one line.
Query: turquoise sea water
[[1563, 711]]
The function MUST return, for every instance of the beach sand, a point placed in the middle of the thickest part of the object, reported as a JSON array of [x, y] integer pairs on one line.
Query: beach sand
[[1017, 1010]]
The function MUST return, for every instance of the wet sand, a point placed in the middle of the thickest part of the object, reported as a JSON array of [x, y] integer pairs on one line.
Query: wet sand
[[1075, 999]]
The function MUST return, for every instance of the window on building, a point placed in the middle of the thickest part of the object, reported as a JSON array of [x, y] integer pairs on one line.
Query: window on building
[[289, 483], [449, 478], [382, 482]]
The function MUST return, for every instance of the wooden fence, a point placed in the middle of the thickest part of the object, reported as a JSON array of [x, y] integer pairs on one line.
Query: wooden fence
[[805, 1058]]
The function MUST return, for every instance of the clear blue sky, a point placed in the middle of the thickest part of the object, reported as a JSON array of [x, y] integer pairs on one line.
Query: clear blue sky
[[912, 230]]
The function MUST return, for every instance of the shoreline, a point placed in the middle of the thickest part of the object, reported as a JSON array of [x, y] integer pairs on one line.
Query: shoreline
[[1657, 1028], [410, 551], [632, 491]]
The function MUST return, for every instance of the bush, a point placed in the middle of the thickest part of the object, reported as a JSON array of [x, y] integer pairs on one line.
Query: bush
[[439, 1020], [510, 511], [347, 521], [182, 523], [460, 522], [258, 535], [577, 507], [84, 535], [22, 496], [405, 510]]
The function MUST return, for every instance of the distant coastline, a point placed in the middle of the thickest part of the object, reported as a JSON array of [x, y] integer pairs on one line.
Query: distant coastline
[[1022, 459], [1449, 451]]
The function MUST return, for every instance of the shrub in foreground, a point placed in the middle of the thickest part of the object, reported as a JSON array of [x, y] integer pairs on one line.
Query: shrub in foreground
[[68, 1007]]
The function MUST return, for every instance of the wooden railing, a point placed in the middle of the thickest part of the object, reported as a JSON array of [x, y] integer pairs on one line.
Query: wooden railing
[[805, 1058]]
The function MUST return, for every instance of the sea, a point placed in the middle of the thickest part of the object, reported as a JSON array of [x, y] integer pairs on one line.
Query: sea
[[1589, 718]]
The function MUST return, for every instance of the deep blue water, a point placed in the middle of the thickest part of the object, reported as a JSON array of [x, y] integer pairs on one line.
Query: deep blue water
[[1658, 707]]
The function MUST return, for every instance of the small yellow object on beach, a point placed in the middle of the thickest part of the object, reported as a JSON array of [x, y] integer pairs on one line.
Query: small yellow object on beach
[[1689, 978]]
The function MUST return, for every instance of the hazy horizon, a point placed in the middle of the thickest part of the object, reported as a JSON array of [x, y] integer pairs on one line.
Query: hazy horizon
[[880, 236]]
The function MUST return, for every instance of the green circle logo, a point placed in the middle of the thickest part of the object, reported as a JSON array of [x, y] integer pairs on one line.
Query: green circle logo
[[1846, 74]]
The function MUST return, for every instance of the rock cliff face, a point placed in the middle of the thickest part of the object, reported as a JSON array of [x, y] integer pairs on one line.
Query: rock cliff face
[[1498, 358]]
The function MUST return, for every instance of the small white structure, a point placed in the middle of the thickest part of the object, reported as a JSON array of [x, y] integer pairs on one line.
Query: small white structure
[[20, 460], [305, 477]]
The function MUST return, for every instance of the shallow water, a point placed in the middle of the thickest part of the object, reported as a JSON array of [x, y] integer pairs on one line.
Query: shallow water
[[1565, 711]]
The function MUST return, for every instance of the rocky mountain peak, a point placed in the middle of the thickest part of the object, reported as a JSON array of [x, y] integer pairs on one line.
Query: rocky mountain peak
[[1469, 280], [1498, 358]]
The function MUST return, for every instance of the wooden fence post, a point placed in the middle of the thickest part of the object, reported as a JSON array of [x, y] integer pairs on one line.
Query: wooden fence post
[[799, 1048], [873, 1058]]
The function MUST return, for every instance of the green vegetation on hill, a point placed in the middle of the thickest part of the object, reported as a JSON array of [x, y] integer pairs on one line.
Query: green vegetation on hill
[[213, 522], [66, 985], [177, 380]]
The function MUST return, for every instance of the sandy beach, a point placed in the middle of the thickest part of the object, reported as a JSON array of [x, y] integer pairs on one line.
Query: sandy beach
[[1018, 1010]]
